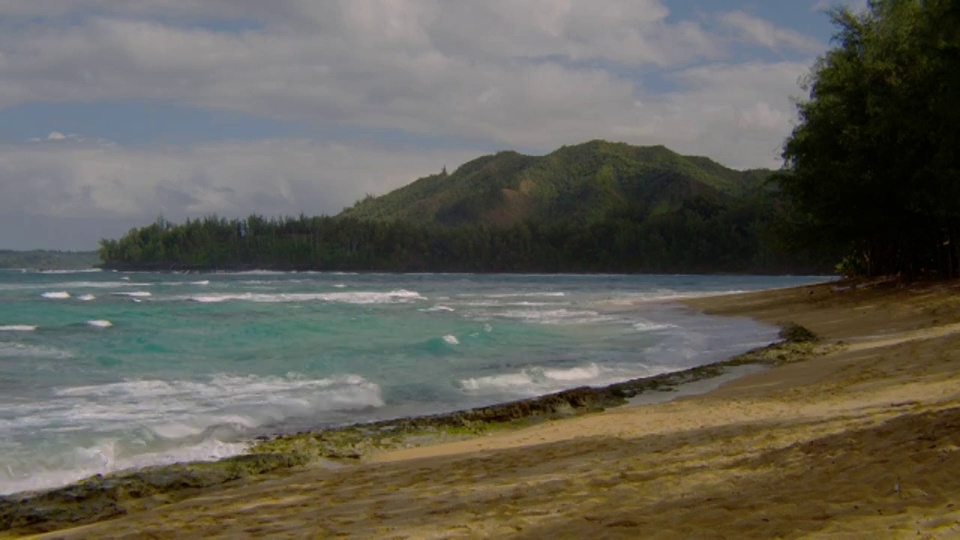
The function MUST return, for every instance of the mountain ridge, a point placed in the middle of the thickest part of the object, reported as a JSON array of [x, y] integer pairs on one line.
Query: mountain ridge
[[581, 183]]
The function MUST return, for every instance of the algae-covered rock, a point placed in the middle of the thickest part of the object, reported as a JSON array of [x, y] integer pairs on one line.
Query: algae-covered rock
[[792, 332], [355, 442], [102, 497], [84, 502]]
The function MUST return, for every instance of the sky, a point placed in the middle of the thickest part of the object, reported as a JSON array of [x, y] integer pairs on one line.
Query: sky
[[115, 112]]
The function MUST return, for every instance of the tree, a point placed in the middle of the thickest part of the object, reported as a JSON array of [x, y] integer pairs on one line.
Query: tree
[[873, 164]]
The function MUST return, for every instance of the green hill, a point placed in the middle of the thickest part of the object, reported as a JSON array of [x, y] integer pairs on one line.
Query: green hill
[[579, 184], [593, 207]]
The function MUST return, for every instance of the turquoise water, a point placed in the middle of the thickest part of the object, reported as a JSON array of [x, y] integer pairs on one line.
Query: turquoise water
[[101, 371]]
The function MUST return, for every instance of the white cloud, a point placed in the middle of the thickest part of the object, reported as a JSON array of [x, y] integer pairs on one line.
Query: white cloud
[[629, 30], [532, 74], [855, 5], [273, 177], [417, 69], [390, 64], [757, 31], [737, 114]]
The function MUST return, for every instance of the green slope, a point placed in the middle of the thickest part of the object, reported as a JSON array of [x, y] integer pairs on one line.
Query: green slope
[[578, 184]]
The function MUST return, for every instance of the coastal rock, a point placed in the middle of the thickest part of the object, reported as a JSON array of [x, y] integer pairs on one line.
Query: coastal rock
[[792, 332], [102, 497], [357, 441]]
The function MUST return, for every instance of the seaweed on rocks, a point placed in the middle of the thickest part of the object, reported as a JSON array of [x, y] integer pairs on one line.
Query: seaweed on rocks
[[106, 496], [794, 333], [356, 441]]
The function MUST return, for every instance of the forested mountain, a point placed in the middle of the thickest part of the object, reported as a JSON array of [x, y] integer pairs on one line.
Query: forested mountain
[[580, 184], [594, 207]]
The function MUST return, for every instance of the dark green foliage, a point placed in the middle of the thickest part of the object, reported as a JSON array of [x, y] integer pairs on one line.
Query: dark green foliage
[[596, 207], [792, 332], [873, 167]]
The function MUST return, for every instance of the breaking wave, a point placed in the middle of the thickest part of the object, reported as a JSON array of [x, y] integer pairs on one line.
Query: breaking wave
[[100, 323], [148, 422], [360, 297]]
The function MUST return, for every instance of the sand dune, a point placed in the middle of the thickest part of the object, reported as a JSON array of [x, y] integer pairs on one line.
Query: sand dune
[[863, 442]]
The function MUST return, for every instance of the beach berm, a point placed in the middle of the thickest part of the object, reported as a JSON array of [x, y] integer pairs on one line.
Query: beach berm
[[858, 439]]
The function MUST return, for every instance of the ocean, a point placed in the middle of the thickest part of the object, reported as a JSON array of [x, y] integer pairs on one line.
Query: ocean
[[104, 371]]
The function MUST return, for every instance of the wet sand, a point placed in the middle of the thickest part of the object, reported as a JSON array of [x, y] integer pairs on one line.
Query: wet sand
[[863, 442]]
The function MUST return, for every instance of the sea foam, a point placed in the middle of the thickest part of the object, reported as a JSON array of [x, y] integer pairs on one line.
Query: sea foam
[[148, 422], [535, 381], [438, 309], [134, 294], [20, 350], [56, 295], [360, 297], [104, 457], [100, 323], [97, 284], [665, 295], [650, 326], [555, 316], [527, 295], [18, 328], [80, 271], [350, 391], [535, 378]]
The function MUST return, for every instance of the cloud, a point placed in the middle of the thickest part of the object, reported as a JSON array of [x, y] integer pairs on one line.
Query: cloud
[[532, 75], [737, 114], [855, 5], [516, 74], [56, 136], [392, 64], [272, 177], [757, 31], [631, 30]]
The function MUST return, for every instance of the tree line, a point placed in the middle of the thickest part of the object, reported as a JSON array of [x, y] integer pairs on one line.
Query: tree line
[[873, 167], [701, 236]]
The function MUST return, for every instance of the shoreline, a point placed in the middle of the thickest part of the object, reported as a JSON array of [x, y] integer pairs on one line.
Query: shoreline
[[188, 269], [861, 440], [104, 496]]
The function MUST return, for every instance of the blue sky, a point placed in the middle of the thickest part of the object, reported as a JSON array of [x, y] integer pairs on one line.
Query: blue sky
[[112, 113]]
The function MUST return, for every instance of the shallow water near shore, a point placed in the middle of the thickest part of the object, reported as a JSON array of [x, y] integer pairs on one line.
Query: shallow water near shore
[[101, 371]]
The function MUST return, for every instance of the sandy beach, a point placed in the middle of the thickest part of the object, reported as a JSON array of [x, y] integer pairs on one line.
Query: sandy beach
[[862, 441]]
